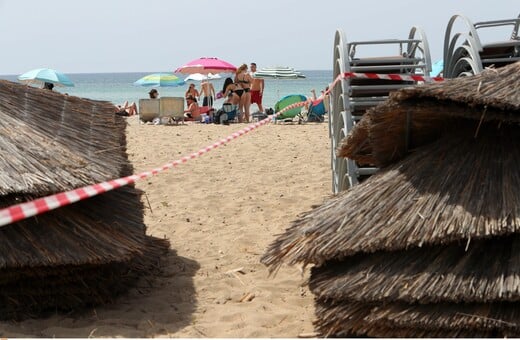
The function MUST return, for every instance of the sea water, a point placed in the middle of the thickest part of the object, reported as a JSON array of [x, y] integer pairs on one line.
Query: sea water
[[118, 87]]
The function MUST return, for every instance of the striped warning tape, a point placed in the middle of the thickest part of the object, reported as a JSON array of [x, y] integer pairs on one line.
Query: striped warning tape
[[390, 76], [405, 77], [39, 206]]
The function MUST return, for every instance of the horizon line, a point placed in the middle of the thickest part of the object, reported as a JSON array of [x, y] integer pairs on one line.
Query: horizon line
[[14, 75]]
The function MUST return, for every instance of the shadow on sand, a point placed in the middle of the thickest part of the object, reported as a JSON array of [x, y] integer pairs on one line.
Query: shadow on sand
[[159, 304]]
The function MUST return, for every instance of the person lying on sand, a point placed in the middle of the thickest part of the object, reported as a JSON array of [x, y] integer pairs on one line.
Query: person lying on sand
[[126, 109]]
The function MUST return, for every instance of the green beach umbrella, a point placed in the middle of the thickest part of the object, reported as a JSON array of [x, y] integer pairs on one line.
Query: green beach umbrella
[[160, 80]]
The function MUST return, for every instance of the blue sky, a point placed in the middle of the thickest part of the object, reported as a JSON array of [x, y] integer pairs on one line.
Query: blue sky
[[141, 35]]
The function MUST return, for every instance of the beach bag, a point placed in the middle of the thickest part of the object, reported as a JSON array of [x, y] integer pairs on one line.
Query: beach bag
[[221, 116], [227, 107], [216, 116]]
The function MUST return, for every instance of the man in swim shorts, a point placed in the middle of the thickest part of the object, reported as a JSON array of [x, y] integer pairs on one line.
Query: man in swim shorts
[[207, 92], [257, 89]]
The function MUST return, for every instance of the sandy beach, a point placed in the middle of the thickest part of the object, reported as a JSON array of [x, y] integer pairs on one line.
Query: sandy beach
[[219, 212]]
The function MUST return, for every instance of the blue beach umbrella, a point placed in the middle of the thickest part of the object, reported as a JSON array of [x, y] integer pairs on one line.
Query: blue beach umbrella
[[45, 75], [160, 79]]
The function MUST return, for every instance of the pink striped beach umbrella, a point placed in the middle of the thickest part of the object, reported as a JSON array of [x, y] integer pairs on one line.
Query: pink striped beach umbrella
[[206, 65]]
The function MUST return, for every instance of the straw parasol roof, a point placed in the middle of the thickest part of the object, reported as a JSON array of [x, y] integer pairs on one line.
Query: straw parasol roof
[[85, 232], [454, 273], [356, 144], [348, 318], [428, 245], [415, 116], [51, 142], [427, 198], [79, 255]]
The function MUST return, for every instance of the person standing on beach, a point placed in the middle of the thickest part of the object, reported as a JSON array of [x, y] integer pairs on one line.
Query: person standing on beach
[[257, 89], [208, 93], [243, 79], [228, 91]]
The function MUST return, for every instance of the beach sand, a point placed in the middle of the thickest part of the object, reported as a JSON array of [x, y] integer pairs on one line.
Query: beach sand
[[220, 212]]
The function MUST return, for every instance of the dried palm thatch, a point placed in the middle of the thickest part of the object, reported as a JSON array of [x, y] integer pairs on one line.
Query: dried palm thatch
[[413, 116], [51, 142], [440, 320], [83, 254], [429, 245], [356, 144], [102, 229], [449, 274], [457, 188]]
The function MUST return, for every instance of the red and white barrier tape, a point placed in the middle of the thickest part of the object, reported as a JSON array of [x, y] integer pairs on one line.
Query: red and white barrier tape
[[390, 76], [25, 210], [39, 206]]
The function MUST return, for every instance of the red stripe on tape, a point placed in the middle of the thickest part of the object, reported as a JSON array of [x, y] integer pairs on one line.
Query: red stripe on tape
[[21, 211]]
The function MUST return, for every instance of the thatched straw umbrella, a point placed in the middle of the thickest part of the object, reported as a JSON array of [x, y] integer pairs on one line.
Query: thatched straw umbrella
[[72, 141], [427, 246], [356, 144], [440, 289], [449, 274], [427, 198], [78, 255], [348, 318], [414, 116]]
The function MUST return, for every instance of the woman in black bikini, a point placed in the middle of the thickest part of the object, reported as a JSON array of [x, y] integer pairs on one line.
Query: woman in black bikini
[[231, 88], [243, 79]]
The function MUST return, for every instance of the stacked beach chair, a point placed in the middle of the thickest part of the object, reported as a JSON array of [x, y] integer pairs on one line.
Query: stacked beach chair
[[466, 53], [351, 97]]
